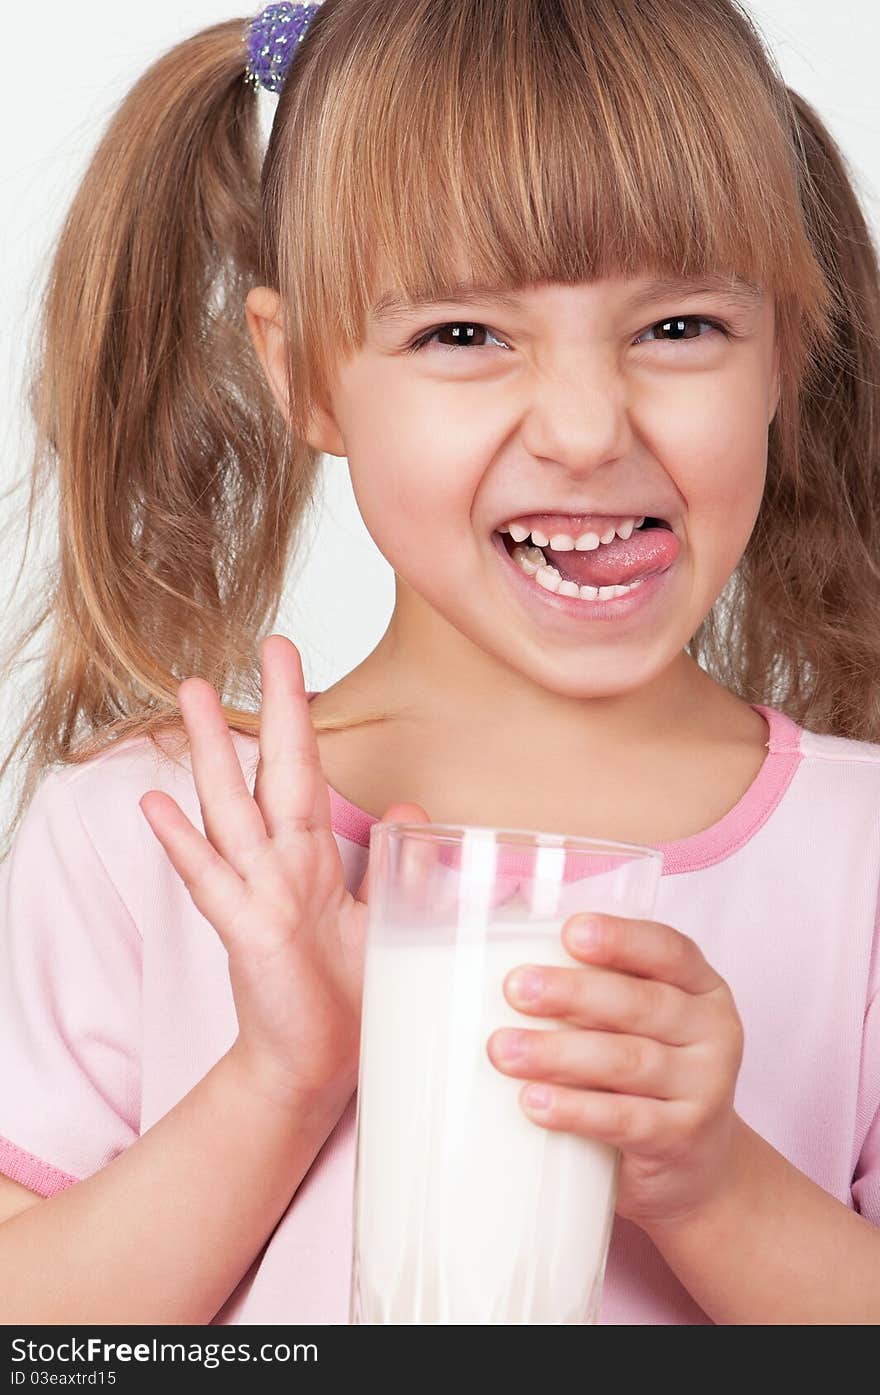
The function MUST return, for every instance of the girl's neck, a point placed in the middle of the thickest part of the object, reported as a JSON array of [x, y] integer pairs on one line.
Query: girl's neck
[[656, 767], [442, 684]]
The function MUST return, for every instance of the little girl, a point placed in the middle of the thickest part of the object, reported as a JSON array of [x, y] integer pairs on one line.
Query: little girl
[[585, 297]]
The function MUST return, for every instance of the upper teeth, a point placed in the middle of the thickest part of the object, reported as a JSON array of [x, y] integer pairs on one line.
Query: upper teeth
[[564, 542]]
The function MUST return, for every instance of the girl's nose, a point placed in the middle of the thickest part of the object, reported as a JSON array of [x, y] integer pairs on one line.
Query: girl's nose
[[578, 416]]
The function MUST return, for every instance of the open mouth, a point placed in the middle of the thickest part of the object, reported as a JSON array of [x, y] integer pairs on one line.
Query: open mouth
[[598, 572]]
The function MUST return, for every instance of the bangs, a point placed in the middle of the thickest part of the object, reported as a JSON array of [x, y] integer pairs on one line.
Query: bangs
[[514, 142]]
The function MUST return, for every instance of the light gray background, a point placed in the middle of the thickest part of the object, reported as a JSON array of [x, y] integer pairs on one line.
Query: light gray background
[[67, 68]]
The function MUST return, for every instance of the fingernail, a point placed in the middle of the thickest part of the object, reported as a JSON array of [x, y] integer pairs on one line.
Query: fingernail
[[586, 932], [537, 1096], [511, 1045], [526, 985]]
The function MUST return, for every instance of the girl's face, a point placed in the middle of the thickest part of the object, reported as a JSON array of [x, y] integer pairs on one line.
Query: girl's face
[[616, 397]]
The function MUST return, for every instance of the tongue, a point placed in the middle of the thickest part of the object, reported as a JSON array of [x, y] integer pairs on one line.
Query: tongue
[[647, 551]]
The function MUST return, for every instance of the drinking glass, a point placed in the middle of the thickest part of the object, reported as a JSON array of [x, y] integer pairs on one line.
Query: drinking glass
[[465, 1210]]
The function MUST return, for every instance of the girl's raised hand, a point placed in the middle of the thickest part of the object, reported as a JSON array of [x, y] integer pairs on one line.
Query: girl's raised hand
[[269, 878]]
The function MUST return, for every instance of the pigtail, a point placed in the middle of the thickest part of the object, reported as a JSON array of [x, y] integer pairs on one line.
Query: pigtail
[[804, 611], [841, 449], [176, 494]]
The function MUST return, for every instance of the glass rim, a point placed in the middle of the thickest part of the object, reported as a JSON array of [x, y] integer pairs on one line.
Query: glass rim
[[528, 837]]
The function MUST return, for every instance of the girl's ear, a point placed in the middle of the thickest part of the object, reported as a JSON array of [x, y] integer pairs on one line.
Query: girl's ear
[[262, 309]]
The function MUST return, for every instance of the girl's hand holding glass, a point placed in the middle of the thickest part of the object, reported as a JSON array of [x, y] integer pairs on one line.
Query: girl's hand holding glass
[[646, 1058], [269, 878]]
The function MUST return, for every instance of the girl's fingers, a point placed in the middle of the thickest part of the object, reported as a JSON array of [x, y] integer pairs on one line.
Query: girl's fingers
[[232, 820], [645, 947], [592, 1060], [216, 890], [630, 1122], [612, 1002], [290, 789], [401, 813]]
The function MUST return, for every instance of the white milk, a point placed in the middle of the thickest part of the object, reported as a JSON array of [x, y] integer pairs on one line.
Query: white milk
[[465, 1210]]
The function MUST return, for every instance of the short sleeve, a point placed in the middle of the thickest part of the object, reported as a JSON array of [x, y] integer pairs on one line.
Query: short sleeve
[[866, 1178], [70, 1001]]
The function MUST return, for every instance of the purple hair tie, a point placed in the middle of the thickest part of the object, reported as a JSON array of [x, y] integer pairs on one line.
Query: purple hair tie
[[272, 37]]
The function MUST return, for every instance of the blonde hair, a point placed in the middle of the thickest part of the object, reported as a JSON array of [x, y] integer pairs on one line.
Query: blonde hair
[[558, 140]]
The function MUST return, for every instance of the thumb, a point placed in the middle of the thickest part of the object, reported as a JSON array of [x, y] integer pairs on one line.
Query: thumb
[[405, 813]]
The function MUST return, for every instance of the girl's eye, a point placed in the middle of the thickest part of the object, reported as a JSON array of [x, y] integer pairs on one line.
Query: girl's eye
[[463, 333], [466, 333], [675, 328]]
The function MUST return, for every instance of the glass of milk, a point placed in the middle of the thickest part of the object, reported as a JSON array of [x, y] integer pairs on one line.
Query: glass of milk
[[465, 1210]]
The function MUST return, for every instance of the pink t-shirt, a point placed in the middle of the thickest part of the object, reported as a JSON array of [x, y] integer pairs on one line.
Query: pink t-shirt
[[115, 997]]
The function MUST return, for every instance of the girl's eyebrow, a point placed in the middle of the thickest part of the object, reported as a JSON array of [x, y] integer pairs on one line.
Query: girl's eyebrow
[[391, 307], [736, 291]]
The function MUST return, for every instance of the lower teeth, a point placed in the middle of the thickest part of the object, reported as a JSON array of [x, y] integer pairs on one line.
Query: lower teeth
[[550, 579]]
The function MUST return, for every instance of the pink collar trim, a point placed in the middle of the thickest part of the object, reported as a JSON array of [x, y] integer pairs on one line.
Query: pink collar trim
[[702, 849]]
